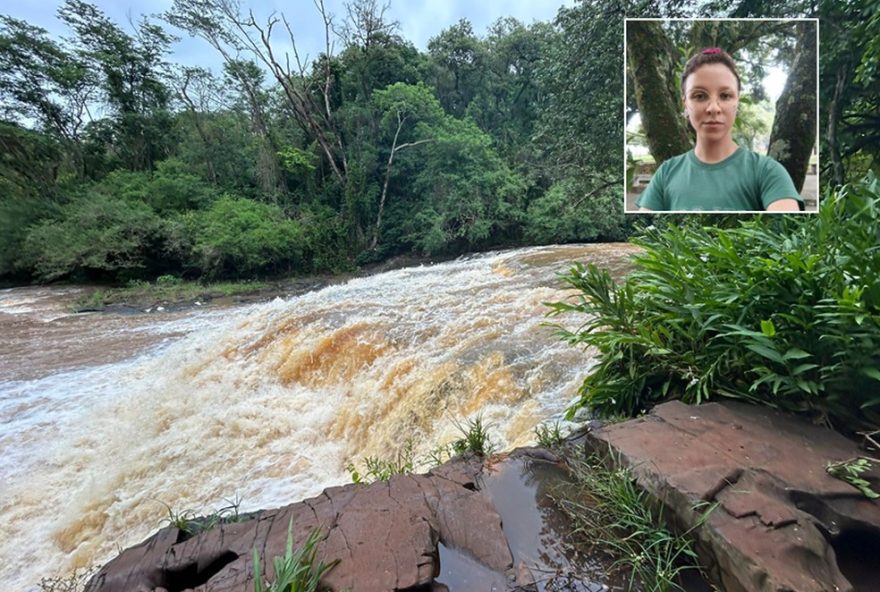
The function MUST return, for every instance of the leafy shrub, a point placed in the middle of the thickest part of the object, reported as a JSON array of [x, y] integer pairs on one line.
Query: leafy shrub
[[781, 310], [95, 235], [568, 212], [239, 238]]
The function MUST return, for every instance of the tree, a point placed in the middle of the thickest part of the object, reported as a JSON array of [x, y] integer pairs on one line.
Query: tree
[[41, 80], [402, 106], [652, 60], [794, 128], [307, 98], [131, 70], [459, 58]]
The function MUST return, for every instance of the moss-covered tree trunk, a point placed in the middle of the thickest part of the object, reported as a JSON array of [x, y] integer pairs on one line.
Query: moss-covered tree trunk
[[794, 126], [651, 60]]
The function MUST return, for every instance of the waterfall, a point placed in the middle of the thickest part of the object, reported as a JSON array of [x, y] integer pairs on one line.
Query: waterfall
[[268, 403]]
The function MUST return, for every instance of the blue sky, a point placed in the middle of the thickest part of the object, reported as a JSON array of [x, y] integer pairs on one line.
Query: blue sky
[[419, 19]]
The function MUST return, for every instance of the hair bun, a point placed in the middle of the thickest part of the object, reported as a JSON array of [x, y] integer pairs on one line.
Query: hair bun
[[711, 50]]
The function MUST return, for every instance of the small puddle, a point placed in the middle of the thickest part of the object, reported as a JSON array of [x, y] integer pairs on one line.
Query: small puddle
[[535, 528], [461, 573]]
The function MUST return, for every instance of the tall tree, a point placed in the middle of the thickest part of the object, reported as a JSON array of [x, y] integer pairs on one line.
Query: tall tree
[[652, 60], [42, 81], [459, 58], [132, 72], [793, 135], [308, 99]]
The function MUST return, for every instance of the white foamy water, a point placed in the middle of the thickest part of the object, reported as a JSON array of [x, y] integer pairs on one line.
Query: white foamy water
[[270, 402]]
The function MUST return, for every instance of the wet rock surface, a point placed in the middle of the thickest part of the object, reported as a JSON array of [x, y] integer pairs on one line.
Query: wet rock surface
[[413, 532], [781, 522]]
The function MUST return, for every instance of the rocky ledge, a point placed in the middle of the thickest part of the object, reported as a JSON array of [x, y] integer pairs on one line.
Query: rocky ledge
[[749, 484], [387, 536], [781, 523]]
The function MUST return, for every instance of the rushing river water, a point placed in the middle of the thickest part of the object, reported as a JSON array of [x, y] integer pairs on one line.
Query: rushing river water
[[107, 418]]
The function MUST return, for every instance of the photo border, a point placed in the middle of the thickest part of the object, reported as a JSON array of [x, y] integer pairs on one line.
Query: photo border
[[627, 212]]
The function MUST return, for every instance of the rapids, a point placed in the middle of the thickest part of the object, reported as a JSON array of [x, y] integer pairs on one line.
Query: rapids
[[105, 419]]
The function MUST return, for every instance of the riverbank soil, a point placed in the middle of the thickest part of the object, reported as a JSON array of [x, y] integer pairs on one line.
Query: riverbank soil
[[781, 522]]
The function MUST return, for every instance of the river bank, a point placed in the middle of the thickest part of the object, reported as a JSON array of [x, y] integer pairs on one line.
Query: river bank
[[168, 293]]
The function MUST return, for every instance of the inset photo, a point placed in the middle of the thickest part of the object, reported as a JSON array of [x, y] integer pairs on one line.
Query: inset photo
[[721, 115]]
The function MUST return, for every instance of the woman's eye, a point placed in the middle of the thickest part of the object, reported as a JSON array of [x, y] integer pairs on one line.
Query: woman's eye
[[698, 96]]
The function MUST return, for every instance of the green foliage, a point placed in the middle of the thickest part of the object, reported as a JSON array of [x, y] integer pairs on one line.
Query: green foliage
[[469, 197], [568, 212], [377, 469], [191, 523], [95, 300], [239, 238], [295, 160], [549, 436], [475, 438], [298, 570], [781, 310], [94, 235], [851, 470], [611, 511]]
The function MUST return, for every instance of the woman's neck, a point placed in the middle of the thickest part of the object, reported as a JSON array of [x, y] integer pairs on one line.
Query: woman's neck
[[712, 152]]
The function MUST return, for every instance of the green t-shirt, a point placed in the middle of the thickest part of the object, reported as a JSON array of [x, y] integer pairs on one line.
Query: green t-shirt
[[741, 182]]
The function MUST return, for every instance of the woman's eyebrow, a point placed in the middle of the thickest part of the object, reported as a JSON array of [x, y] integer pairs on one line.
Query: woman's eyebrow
[[705, 89]]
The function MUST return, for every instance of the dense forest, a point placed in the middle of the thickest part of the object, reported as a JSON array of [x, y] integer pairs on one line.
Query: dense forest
[[118, 165]]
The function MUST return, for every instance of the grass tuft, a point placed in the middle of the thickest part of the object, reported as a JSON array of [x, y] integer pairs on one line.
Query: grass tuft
[[377, 469], [610, 512], [549, 435], [75, 582], [475, 438], [298, 570], [191, 523]]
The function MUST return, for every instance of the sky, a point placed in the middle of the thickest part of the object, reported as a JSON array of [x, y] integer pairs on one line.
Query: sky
[[419, 19]]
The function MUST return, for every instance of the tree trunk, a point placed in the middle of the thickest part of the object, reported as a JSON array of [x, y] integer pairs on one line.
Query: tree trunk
[[650, 56], [794, 127]]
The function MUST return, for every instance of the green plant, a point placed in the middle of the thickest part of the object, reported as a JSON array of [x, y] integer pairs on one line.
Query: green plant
[[297, 570], [168, 280], [439, 455], [95, 300], [549, 436], [850, 471], [475, 438], [75, 582], [608, 510], [377, 469], [191, 523], [182, 520], [777, 310]]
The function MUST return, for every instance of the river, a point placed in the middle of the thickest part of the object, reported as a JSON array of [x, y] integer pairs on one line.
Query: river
[[109, 420]]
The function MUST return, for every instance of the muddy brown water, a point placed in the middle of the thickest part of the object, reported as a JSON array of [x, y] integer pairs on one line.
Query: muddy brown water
[[106, 418]]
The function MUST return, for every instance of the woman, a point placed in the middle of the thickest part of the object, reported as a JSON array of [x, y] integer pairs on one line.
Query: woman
[[717, 174]]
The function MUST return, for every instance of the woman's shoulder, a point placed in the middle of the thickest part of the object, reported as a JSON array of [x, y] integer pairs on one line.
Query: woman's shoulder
[[760, 161], [674, 162]]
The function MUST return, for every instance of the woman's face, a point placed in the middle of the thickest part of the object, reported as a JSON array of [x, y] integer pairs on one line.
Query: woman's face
[[711, 98]]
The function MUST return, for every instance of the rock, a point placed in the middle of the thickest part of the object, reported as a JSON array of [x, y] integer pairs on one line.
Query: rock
[[384, 534], [779, 514]]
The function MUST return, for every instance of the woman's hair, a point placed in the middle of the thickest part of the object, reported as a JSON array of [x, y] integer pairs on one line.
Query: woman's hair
[[709, 55]]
